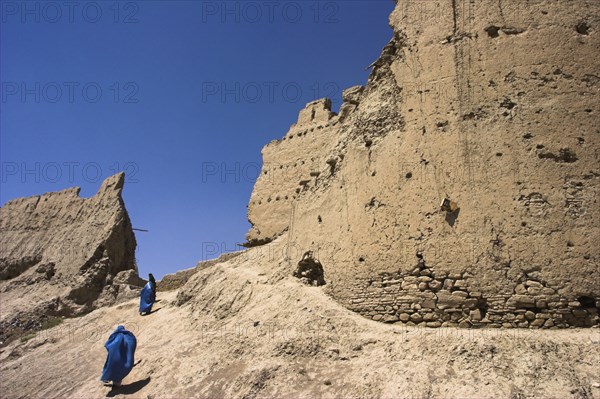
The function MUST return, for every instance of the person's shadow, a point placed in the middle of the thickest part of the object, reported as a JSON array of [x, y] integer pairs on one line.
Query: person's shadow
[[151, 312], [128, 389]]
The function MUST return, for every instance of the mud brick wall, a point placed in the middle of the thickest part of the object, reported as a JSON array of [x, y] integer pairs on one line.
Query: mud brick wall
[[493, 105]]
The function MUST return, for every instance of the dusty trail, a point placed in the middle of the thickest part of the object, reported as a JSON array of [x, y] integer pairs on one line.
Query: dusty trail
[[249, 330]]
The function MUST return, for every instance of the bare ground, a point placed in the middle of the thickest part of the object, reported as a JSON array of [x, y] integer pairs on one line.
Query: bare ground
[[250, 330]]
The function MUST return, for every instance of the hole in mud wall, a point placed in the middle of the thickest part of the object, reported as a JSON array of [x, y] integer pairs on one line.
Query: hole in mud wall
[[421, 261], [319, 219], [582, 28], [442, 125], [310, 271], [492, 31], [587, 301], [331, 163], [483, 307], [361, 259], [409, 175]]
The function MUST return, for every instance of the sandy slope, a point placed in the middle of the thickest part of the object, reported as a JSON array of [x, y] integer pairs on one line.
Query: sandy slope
[[250, 330]]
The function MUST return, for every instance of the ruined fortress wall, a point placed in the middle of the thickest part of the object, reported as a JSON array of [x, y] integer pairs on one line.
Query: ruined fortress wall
[[290, 165], [171, 282], [61, 254], [493, 105], [66, 229]]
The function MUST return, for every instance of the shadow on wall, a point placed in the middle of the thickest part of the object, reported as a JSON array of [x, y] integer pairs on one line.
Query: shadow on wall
[[452, 216]]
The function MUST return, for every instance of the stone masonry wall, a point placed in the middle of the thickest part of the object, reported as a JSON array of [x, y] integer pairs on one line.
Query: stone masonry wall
[[435, 299]]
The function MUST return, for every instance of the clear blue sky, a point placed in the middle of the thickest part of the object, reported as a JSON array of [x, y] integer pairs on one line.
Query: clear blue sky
[[182, 95]]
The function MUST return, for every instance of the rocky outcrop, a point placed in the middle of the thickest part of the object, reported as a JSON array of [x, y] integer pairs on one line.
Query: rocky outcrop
[[63, 255], [491, 106]]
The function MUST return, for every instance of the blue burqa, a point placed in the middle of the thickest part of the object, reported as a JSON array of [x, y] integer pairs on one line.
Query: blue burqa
[[147, 298], [121, 350]]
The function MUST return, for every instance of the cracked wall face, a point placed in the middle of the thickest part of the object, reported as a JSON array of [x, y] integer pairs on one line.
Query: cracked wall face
[[491, 104]]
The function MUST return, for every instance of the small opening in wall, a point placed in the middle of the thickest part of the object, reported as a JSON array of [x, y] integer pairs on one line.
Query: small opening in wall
[[492, 31], [587, 301], [310, 271], [483, 307], [361, 259], [582, 28]]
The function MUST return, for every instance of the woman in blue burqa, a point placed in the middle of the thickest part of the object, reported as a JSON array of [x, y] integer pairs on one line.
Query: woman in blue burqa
[[119, 361], [148, 296]]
